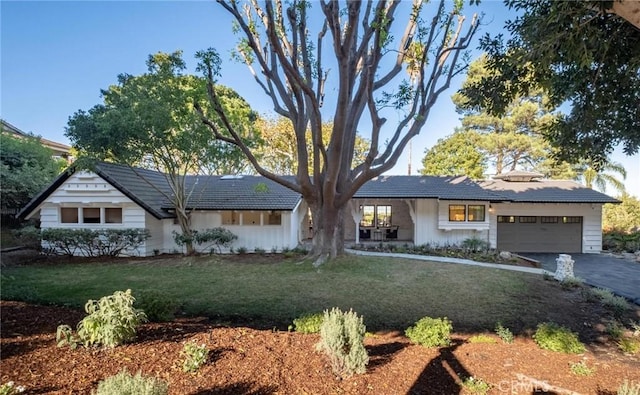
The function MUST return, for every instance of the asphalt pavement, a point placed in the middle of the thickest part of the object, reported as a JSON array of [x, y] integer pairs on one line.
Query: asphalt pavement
[[621, 276]]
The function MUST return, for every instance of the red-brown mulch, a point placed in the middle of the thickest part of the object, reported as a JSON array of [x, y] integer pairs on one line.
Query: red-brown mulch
[[249, 361]]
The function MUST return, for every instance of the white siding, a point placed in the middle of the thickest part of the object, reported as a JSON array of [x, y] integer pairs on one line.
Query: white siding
[[591, 214], [156, 241], [85, 189], [433, 226]]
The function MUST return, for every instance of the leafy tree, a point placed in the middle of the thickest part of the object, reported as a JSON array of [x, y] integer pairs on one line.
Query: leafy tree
[[278, 151], [623, 217], [360, 53], [458, 154], [580, 55], [149, 121], [26, 168], [512, 140], [600, 177]]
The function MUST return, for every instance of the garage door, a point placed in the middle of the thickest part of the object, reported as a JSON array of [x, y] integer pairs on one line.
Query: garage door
[[539, 234]]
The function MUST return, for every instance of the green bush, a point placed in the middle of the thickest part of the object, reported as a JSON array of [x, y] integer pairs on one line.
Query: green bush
[[342, 340], [112, 320], [10, 388], [621, 241], [629, 345], [207, 239], [581, 369], [476, 386], [553, 337], [124, 383], [504, 333], [308, 323], [28, 236], [93, 242], [616, 304], [157, 306], [194, 356], [431, 332], [475, 244], [482, 339]]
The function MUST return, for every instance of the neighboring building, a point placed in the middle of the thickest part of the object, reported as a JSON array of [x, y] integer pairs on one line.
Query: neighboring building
[[515, 212], [60, 151]]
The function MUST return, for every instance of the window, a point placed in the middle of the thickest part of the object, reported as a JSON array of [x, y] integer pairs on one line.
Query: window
[[69, 215], [571, 220], [457, 213], [251, 218], [112, 215], [274, 218], [368, 216], [506, 219], [383, 214], [230, 218], [527, 220], [476, 213], [549, 220], [91, 215]]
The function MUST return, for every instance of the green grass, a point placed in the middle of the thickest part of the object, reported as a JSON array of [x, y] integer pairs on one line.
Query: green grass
[[389, 293]]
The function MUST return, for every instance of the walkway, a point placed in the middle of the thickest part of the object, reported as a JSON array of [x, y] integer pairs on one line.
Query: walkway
[[620, 276]]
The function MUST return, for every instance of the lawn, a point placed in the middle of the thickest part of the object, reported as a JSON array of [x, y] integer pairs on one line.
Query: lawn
[[270, 292]]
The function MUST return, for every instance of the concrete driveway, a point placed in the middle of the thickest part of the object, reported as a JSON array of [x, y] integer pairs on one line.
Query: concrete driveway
[[621, 276]]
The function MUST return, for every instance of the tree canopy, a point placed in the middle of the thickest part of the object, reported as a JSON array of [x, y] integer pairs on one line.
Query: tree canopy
[[458, 154], [149, 120], [583, 58], [26, 167], [278, 150], [296, 50]]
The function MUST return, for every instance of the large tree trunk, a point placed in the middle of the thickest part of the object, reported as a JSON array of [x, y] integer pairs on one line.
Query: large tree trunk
[[328, 225]]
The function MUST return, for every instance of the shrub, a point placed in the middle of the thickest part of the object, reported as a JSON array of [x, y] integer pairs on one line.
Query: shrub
[[504, 333], [629, 345], [112, 320], [124, 383], [156, 306], [9, 388], [482, 339], [616, 304], [28, 236], [581, 369], [194, 356], [207, 239], [476, 386], [475, 244], [93, 242], [431, 332], [308, 323], [629, 388], [342, 340], [553, 337], [572, 282], [242, 250]]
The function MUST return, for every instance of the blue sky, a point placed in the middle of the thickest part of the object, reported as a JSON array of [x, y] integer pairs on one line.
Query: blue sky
[[56, 56]]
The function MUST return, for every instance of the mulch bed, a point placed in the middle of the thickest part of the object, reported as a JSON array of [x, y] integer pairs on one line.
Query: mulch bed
[[249, 361]]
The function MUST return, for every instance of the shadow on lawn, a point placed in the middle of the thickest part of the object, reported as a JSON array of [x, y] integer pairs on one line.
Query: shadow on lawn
[[443, 374]]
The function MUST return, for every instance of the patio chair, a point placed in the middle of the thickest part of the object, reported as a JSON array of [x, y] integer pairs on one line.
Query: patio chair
[[392, 233], [365, 234]]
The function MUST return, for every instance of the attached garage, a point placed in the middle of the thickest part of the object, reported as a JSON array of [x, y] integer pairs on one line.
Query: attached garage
[[538, 215], [539, 233]]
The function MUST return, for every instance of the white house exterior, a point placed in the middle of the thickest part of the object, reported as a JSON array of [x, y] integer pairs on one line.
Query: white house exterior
[[515, 212]]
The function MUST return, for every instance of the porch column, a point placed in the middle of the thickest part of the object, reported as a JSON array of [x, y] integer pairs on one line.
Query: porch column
[[356, 213]]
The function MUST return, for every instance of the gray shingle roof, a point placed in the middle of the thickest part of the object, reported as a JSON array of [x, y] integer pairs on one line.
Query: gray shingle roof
[[209, 192], [547, 191], [150, 190], [427, 187]]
